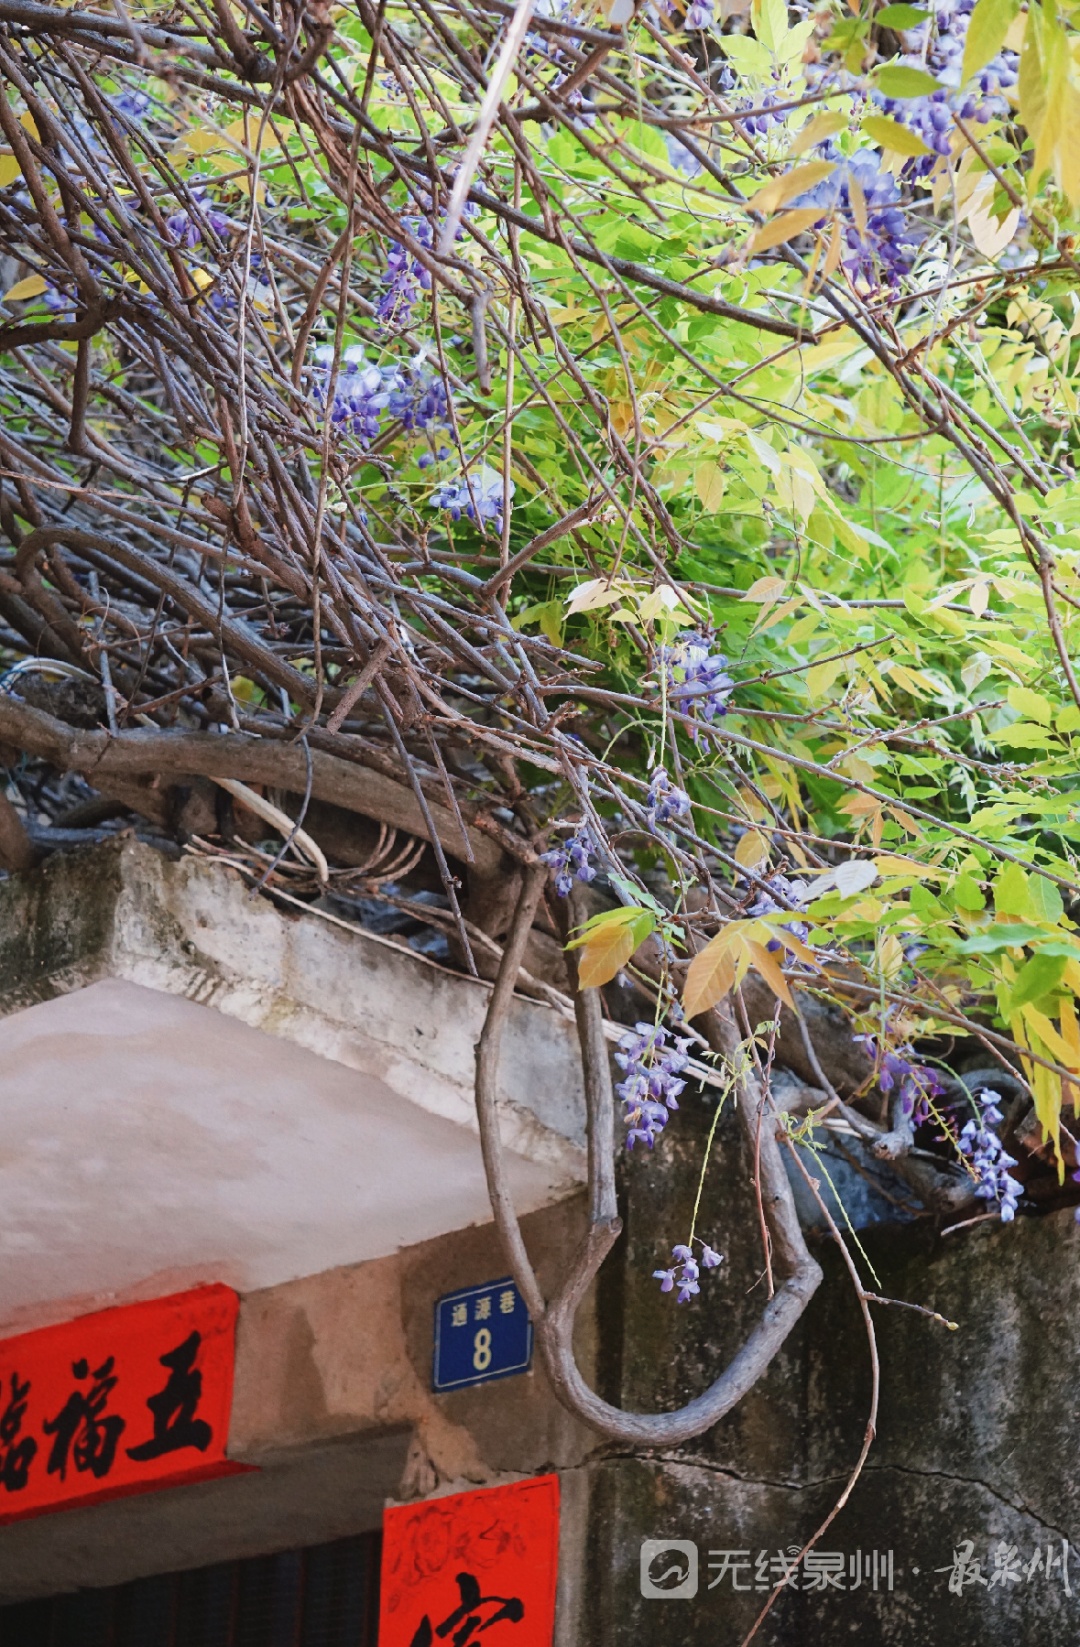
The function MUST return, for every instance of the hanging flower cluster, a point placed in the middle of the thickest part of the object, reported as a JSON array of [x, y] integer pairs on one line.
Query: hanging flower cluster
[[364, 393], [478, 495], [187, 223], [780, 893], [936, 46], [572, 860], [988, 1159], [697, 681], [916, 1085], [685, 1270], [405, 277], [879, 241], [654, 1062], [664, 801]]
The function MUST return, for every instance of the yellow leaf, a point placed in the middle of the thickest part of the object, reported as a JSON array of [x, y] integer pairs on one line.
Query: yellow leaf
[[768, 967], [604, 953], [986, 34], [785, 227], [888, 865], [905, 820], [768, 620], [858, 806], [766, 589], [991, 236], [1070, 1033], [979, 598], [892, 135], [821, 677], [200, 141], [785, 188], [709, 485], [32, 286], [588, 597], [752, 850], [1055, 1044], [816, 131], [792, 942], [245, 132], [711, 973], [29, 124], [9, 168], [912, 680], [890, 955], [858, 204]]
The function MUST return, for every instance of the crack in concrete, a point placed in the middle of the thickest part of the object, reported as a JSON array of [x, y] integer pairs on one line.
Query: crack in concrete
[[974, 1481], [728, 1474]]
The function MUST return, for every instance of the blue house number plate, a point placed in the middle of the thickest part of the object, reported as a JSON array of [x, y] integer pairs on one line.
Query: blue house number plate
[[481, 1333]]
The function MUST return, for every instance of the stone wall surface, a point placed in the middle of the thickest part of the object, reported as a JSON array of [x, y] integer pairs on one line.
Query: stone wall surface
[[976, 1437]]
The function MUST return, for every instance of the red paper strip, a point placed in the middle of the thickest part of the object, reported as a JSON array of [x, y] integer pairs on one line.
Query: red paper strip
[[474, 1567], [122, 1401]]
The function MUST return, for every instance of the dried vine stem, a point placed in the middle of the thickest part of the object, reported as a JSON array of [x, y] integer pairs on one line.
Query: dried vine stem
[[553, 1319]]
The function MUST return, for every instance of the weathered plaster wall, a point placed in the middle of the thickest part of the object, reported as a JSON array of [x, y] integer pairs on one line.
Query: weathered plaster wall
[[334, 1409]]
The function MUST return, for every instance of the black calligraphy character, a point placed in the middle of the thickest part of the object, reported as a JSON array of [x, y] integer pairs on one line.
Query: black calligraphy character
[[16, 1456], [467, 1621], [80, 1427], [175, 1424]]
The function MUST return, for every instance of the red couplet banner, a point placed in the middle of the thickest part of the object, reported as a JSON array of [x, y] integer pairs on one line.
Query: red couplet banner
[[122, 1401], [475, 1567]]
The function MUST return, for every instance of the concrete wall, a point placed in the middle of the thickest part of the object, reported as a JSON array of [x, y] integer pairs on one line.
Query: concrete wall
[[977, 1432]]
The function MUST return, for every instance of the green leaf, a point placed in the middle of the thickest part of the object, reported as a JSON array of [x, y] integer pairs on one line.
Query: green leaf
[[1036, 978], [968, 893], [901, 17], [1045, 899], [1003, 935], [1012, 892], [897, 80], [986, 33]]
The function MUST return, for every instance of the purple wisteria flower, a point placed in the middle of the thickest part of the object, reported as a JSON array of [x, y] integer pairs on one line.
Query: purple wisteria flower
[[700, 14], [987, 1156], [420, 400], [936, 46], [680, 157], [654, 1062], [684, 1272], [697, 680], [880, 244], [780, 893], [362, 391], [572, 860], [131, 105], [185, 225], [405, 277], [916, 1085], [478, 495], [664, 801]]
